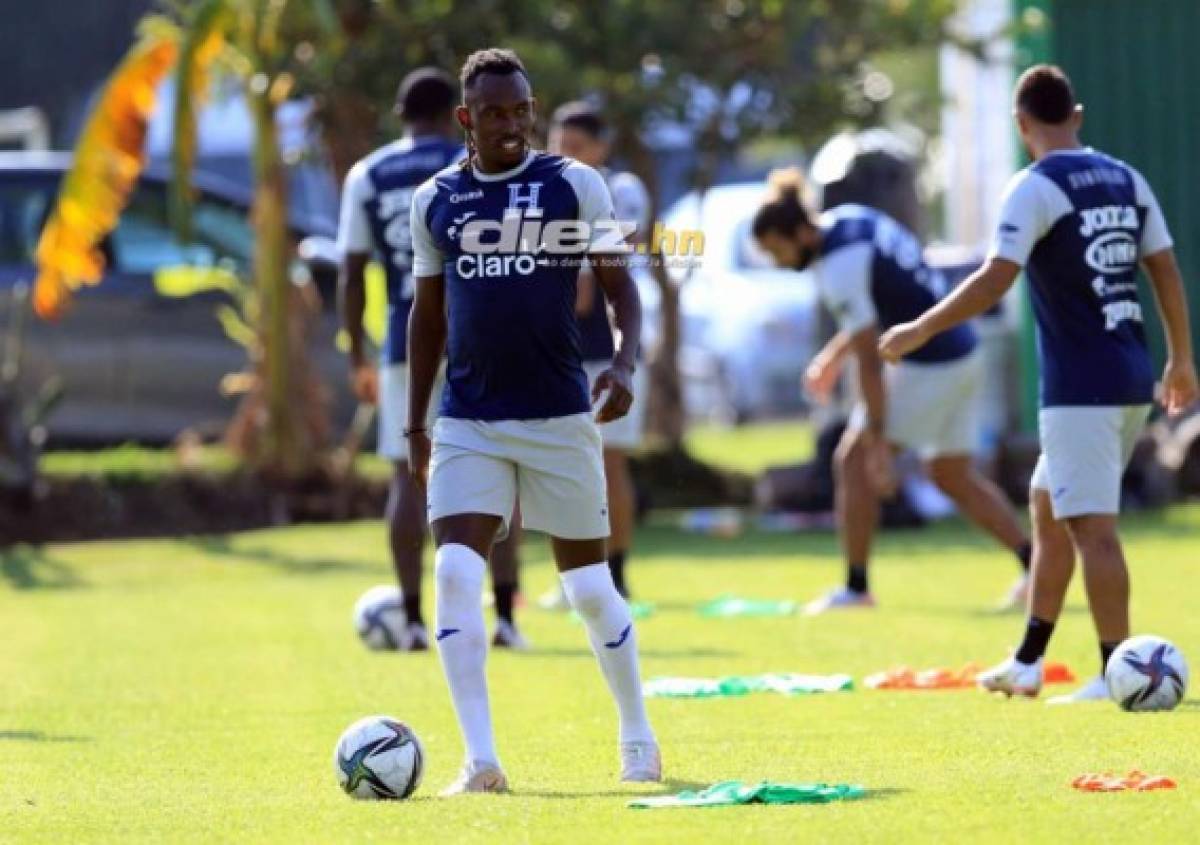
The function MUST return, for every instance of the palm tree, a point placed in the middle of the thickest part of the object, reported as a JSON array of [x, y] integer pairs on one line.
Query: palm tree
[[257, 42]]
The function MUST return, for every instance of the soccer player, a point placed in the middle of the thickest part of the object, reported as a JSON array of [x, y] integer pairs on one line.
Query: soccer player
[[495, 291], [872, 275], [579, 131], [1080, 222], [374, 219]]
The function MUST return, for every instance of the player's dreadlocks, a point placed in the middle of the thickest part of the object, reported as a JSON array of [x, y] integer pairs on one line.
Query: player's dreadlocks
[[495, 60], [784, 211]]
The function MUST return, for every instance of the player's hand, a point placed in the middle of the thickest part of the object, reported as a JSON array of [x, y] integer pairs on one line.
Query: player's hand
[[881, 466], [364, 381], [618, 381], [902, 339], [1180, 390], [419, 450], [821, 376]]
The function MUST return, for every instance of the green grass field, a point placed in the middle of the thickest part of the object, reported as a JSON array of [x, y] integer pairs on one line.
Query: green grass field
[[192, 690]]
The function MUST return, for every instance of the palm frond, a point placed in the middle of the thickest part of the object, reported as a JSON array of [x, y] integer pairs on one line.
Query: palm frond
[[108, 160], [202, 44]]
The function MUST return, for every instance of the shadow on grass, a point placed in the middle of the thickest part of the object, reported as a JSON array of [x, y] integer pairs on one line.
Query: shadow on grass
[[667, 787], [881, 793], [222, 546], [40, 736], [30, 568], [665, 653]]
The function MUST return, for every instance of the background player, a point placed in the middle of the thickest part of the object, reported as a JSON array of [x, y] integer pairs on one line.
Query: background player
[[579, 131], [515, 413], [375, 219], [871, 274], [1079, 222]]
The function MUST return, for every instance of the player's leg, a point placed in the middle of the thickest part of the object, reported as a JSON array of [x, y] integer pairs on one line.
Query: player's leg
[[982, 502], [506, 580], [405, 510], [471, 494], [562, 492], [405, 515], [1053, 565], [621, 508], [857, 507]]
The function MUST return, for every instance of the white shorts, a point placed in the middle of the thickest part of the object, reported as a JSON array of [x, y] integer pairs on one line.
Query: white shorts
[[625, 433], [555, 466], [1084, 453], [393, 410], [931, 408]]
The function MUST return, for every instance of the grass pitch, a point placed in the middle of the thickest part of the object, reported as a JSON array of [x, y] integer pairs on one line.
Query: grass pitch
[[192, 690]]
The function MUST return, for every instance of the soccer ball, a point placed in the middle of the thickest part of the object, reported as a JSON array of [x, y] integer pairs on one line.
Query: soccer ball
[[1146, 673], [379, 758], [379, 617]]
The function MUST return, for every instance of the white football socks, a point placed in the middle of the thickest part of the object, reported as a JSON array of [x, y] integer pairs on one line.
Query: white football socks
[[609, 624], [462, 645]]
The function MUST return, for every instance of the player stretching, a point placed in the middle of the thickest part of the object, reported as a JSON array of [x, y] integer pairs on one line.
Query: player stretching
[[580, 132], [374, 218], [1079, 222], [515, 413], [872, 275]]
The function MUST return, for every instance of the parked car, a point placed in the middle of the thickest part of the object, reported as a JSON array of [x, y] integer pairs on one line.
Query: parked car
[[748, 327], [136, 365]]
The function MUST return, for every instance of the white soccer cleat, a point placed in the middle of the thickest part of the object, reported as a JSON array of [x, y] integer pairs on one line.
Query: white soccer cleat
[[1017, 598], [413, 637], [507, 636], [1012, 677], [641, 762], [477, 777], [1094, 690], [554, 599], [840, 598]]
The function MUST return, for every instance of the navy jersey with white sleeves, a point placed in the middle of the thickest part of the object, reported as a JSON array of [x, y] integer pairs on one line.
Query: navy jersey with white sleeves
[[375, 219], [872, 271], [631, 203], [1080, 222], [513, 349]]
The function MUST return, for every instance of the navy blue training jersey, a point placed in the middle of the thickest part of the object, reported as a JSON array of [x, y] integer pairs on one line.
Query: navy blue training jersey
[[1080, 222], [871, 271], [513, 348], [375, 218]]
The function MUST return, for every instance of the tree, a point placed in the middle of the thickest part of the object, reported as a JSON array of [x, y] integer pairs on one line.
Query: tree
[[255, 41]]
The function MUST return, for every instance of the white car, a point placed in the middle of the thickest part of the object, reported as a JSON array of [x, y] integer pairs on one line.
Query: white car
[[748, 327]]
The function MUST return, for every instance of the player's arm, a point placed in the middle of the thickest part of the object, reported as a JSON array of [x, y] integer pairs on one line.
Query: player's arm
[[1179, 378], [618, 286], [979, 292], [354, 243], [426, 332], [826, 366]]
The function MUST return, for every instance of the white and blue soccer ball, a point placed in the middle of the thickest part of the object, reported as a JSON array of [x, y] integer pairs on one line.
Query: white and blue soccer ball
[[379, 617], [379, 758], [1146, 673]]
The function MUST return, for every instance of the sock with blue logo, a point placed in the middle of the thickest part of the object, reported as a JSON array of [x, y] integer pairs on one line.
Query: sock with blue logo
[[592, 594], [462, 645]]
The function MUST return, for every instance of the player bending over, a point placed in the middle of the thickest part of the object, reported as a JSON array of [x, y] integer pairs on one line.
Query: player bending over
[[515, 413], [872, 275], [1079, 222]]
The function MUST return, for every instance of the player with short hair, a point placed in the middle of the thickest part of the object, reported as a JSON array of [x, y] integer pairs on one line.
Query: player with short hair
[[872, 274], [495, 290], [578, 130], [1079, 222], [374, 220]]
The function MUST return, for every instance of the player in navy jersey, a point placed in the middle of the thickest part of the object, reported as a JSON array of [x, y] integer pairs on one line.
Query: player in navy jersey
[[376, 201], [1080, 222], [579, 130], [871, 274], [498, 241]]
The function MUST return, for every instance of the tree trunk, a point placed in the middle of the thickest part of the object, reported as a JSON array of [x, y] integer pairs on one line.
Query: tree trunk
[[665, 411], [349, 124]]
